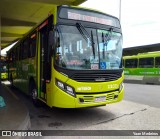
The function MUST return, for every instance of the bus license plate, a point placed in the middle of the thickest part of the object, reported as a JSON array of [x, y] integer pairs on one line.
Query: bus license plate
[[100, 99]]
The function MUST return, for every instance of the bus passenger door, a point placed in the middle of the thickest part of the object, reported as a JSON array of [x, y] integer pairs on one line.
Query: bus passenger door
[[45, 58], [43, 46]]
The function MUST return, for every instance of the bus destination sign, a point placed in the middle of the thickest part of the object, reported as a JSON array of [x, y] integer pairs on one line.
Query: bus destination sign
[[78, 16], [88, 16]]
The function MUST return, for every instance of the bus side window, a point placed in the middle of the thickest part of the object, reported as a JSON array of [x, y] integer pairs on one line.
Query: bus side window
[[25, 48], [16, 53], [131, 63], [157, 62], [13, 55], [10, 57], [21, 51], [146, 62], [32, 46]]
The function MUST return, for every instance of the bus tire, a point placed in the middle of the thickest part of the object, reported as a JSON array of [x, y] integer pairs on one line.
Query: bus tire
[[34, 94]]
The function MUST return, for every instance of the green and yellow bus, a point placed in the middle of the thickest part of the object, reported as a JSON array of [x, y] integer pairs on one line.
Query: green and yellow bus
[[72, 59], [144, 67]]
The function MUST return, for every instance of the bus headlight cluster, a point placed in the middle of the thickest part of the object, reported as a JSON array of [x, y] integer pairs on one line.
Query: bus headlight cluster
[[65, 87], [121, 86]]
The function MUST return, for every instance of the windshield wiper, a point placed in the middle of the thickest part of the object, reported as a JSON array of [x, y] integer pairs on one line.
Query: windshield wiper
[[92, 44], [82, 30], [105, 40], [106, 37]]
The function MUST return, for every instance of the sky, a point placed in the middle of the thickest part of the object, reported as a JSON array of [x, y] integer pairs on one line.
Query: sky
[[140, 19], [4, 51]]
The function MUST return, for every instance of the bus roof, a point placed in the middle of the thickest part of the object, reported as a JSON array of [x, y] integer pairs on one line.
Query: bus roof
[[143, 55], [31, 30], [19, 16]]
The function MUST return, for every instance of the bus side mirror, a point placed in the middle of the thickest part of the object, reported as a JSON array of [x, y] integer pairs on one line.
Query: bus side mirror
[[50, 44], [51, 39], [57, 42]]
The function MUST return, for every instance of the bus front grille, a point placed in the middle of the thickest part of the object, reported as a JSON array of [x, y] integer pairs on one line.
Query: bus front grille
[[91, 99], [95, 77]]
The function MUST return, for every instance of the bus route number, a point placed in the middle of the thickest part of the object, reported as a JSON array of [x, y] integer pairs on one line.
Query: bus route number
[[110, 86]]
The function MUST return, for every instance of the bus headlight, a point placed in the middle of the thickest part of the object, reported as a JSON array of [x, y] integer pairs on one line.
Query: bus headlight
[[121, 86], [69, 90], [65, 87], [60, 84]]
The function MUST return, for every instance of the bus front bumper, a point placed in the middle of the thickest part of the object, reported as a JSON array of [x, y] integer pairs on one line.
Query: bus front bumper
[[64, 100], [93, 100]]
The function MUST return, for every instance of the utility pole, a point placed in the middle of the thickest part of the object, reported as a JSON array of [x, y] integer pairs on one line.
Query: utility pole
[[120, 10]]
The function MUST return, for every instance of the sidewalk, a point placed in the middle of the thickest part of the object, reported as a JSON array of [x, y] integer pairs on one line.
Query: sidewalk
[[15, 115]]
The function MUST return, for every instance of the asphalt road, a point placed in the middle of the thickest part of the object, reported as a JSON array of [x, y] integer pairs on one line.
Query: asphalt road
[[138, 111], [143, 94]]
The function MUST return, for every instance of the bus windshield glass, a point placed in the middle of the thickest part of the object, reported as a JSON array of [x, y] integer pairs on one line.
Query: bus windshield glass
[[85, 48], [110, 49]]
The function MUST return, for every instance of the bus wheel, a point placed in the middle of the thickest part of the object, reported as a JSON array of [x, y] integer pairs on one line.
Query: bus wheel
[[34, 95]]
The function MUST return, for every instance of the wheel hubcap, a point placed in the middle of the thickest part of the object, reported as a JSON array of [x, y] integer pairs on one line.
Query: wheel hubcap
[[34, 94]]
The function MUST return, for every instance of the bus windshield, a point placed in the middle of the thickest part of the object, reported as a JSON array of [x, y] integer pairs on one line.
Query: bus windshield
[[85, 48]]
